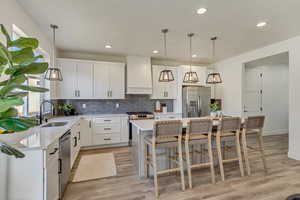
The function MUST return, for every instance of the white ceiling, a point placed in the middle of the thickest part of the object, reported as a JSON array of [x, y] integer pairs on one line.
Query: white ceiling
[[133, 27]]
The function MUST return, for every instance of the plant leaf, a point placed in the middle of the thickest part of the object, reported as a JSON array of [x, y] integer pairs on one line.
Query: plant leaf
[[23, 42], [5, 33], [32, 60], [16, 80], [32, 88], [5, 54], [8, 102], [22, 55], [33, 68], [11, 112], [17, 94], [14, 125]]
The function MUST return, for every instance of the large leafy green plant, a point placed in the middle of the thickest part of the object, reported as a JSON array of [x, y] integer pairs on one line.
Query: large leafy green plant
[[17, 61]]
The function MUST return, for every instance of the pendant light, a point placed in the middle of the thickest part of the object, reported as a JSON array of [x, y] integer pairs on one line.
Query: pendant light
[[213, 78], [190, 77], [165, 75], [53, 73]]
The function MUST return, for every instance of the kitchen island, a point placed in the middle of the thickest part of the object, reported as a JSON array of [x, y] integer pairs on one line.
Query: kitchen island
[[141, 129]]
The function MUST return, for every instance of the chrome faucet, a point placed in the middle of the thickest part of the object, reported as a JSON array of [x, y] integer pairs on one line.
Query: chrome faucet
[[41, 109]]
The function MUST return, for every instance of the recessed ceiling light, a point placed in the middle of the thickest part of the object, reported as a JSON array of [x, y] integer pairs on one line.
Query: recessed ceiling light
[[108, 46], [155, 51], [194, 56], [261, 24], [201, 11]]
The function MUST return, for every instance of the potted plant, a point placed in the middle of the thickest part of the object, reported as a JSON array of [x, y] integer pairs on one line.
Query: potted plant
[[17, 62], [214, 108], [68, 109]]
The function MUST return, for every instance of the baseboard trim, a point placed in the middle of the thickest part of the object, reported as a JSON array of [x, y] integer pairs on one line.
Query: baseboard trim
[[294, 156]]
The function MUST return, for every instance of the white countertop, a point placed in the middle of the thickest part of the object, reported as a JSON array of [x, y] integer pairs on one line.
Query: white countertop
[[167, 113], [41, 138], [147, 125]]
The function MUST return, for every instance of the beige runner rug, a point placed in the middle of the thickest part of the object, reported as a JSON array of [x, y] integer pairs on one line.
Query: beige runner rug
[[95, 166]]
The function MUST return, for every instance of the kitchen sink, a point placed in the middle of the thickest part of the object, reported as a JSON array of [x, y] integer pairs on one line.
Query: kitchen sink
[[54, 124]]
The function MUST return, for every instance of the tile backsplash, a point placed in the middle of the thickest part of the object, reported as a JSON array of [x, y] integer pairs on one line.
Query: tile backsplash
[[132, 103]]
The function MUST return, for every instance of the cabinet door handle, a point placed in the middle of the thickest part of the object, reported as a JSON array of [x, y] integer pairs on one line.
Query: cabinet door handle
[[107, 93], [107, 129], [54, 151], [111, 93], [59, 166], [79, 93], [79, 135], [90, 124], [75, 93], [75, 142], [107, 120], [107, 139]]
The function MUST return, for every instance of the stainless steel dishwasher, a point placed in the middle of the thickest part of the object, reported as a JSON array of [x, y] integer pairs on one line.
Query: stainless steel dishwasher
[[64, 162]]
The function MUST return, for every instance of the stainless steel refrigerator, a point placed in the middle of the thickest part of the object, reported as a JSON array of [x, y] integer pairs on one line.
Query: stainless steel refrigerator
[[195, 101]]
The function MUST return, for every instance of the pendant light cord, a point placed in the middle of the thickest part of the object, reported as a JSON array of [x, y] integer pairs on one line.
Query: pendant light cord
[[190, 35], [213, 39], [54, 27], [165, 31]]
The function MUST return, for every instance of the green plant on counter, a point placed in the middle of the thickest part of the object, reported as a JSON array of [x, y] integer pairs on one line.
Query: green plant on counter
[[214, 107], [17, 62], [68, 109]]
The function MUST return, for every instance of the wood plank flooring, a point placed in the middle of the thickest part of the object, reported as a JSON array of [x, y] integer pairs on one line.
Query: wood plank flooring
[[282, 180]]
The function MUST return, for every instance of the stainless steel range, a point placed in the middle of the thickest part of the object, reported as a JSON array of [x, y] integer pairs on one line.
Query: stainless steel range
[[138, 116]]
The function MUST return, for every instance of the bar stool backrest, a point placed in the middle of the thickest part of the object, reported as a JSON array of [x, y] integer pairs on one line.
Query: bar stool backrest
[[199, 126], [254, 122], [228, 124], [167, 128]]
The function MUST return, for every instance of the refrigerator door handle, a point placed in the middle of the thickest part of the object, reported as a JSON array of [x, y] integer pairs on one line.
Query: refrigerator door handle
[[199, 105]]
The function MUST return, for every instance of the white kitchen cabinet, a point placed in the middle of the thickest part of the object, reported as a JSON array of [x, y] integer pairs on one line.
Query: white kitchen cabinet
[[164, 90], [139, 78], [110, 130], [109, 80], [77, 79], [86, 132], [75, 142]]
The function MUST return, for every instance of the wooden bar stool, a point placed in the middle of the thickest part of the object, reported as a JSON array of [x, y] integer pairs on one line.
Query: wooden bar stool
[[229, 127], [199, 131], [253, 126], [166, 134]]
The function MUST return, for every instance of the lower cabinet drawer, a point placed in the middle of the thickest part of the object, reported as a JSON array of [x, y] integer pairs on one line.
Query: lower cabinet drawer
[[106, 139], [105, 129]]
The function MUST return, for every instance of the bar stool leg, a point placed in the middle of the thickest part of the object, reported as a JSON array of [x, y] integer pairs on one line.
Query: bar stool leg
[[146, 164], [188, 163], [262, 151], [238, 149], [155, 170], [245, 151], [181, 163], [218, 141], [210, 155]]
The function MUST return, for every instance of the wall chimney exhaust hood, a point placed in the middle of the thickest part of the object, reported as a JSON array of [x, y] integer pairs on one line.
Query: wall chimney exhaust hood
[[139, 76]]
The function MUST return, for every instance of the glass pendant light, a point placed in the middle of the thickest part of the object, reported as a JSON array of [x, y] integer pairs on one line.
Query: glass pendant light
[[213, 78], [165, 75], [190, 77], [53, 73]]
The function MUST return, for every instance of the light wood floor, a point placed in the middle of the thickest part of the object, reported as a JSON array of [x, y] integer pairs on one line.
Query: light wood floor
[[282, 180]]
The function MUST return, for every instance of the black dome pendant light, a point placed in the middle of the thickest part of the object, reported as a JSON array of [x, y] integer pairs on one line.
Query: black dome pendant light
[[165, 75], [190, 77], [53, 73]]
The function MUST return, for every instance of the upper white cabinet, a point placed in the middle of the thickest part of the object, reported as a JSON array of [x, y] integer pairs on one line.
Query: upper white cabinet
[[109, 80], [164, 90], [139, 79], [91, 80], [77, 79]]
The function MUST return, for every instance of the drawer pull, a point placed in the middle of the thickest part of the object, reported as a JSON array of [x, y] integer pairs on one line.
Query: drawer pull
[[107, 129], [107, 120], [107, 139], [54, 151]]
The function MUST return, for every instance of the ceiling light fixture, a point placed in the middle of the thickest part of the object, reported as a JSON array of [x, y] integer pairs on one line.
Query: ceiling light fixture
[[190, 77], [53, 73], [201, 11], [261, 24], [155, 51], [214, 77], [108, 46], [165, 75], [194, 56]]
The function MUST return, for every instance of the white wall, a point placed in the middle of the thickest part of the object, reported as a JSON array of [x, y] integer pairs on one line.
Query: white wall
[[231, 90], [274, 84], [11, 13]]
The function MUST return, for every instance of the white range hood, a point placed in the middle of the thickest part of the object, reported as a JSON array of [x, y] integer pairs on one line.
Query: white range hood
[[139, 76]]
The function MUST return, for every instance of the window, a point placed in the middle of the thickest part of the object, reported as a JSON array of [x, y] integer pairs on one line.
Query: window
[[33, 100]]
